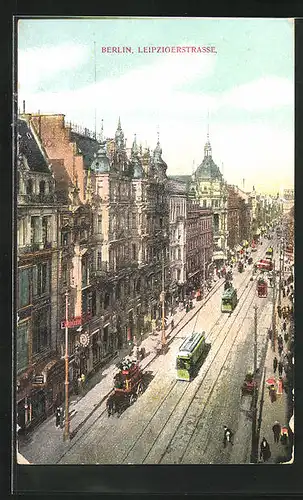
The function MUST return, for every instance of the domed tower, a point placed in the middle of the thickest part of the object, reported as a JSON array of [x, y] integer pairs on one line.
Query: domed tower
[[136, 164], [101, 163], [159, 164]]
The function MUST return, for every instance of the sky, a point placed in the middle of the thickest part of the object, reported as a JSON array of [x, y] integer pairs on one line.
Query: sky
[[243, 92]]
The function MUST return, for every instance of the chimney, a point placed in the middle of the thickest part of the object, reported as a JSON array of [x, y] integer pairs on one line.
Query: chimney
[[24, 107]]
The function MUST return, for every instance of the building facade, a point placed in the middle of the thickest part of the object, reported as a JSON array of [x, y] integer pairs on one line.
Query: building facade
[[199, 245], [210, 189], [239, 215], [178, 204], [38, 356]]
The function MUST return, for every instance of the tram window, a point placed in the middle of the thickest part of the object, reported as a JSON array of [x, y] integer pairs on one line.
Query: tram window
[[183, 364], [226, 301]]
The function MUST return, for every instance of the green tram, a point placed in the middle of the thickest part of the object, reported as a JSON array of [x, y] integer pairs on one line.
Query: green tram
[[189, 355], [269, 253], [229, 300]]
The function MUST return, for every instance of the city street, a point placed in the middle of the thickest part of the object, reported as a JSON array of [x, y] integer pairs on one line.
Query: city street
[[179, 422]]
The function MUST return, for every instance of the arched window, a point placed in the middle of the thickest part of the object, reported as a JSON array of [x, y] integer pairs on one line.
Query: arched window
[[29, 187], [42, 187]]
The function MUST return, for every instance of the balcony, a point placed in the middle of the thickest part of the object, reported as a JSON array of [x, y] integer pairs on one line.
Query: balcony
[[35, 247], [41, 199]]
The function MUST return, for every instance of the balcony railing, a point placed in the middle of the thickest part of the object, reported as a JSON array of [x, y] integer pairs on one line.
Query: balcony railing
[[35, 247], [40, 198]]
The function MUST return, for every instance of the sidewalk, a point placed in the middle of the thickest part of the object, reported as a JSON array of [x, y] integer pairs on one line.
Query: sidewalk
[[45, 443], [279, 410]]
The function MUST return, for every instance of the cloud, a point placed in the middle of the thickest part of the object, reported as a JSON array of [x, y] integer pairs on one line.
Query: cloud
[[39, 64], [262, 94]]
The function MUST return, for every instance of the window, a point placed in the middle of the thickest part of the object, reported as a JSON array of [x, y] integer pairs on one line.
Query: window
[[41, 329], [29, 187], [99, 259], [42, 187], [134, 220], [94, 303], [64, 238], [34, 230], [106, 300], [105, 334], [24, 287], [64, 273], [22, 347], [134, 251], [45, 230], [99, 224], [41, 279]]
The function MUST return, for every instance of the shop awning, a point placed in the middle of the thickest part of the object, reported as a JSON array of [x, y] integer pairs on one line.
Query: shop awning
[[219, 255]]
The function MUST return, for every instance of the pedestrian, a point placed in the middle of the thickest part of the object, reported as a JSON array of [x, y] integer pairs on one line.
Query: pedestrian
[[58, 412], [61, 417], [279, 311], [284, 326], [280, 349], [264, 450], [227, 436], [280, 339], [286, 337], [280, 368], [284, 435], [283, 292], [284, 312], [276, 430], [275, 364]]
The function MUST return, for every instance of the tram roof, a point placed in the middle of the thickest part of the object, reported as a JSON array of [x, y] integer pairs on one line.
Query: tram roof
[[229, 292], [190, 343]]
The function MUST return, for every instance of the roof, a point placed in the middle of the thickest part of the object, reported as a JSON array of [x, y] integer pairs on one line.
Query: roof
[[190, 343], [176, 187], [228, 292], [208, 169], [180, 178], [86, 146], [30, 148]]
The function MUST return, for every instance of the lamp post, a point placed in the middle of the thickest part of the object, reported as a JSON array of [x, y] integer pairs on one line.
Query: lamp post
[[254, 442], [163, 339], [66, 428], [274, 310]]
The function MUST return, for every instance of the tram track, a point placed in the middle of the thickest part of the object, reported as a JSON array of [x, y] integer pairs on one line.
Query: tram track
[[212, 339], [180, 389], [203, 393]]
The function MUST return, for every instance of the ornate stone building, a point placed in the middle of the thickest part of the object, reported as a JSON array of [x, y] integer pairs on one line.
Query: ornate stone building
[[38, 359], [239, 216], [210, 189], [177, 237], [199, 244]]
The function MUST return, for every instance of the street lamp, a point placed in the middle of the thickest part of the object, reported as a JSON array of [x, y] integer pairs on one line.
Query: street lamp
[[66, 435], [163, 337], [254, 442]]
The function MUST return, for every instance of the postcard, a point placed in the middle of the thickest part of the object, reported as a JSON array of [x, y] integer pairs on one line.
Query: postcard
[[155, 241]]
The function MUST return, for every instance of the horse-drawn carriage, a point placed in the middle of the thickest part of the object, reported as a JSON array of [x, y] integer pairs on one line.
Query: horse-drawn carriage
[[128, 386], [262, 287], [240, 267]]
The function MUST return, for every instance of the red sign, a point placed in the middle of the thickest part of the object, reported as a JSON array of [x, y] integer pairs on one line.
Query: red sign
[[77, 321]]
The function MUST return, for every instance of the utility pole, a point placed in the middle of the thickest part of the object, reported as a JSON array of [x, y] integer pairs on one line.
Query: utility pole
[[254, 442], [274, 333], [66, 429], [280, 273], [163, 340]]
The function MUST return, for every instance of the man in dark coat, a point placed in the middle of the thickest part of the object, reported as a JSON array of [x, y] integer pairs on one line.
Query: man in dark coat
[[275, 364], [58, 417], [276, 428], [264, 450], [280, 368]]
